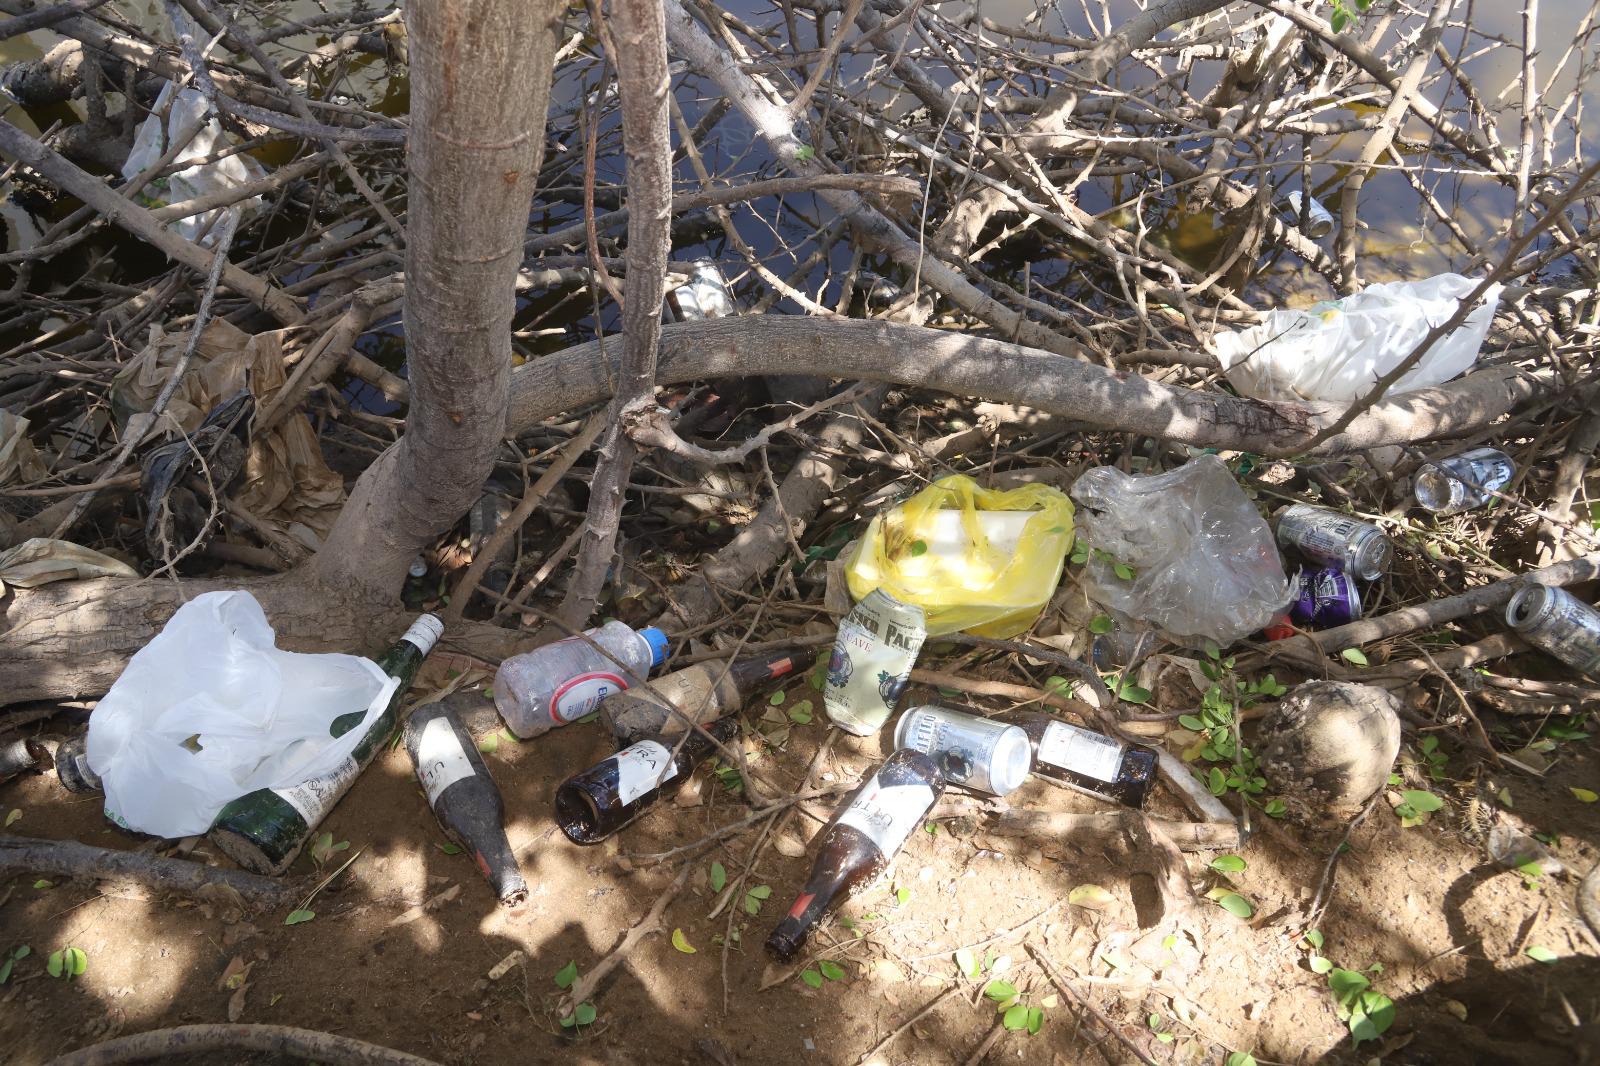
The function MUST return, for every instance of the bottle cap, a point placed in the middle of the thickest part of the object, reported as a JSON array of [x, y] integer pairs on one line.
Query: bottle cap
[[659, 647]]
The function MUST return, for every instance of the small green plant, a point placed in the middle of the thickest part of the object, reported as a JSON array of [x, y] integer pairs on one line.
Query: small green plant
[[1418, 805], [1432, 758], [1347, 13], [1158, 1026], [1368, 1012], [729, 778], [323, 848], [754, 897], [583, 1014], [567, 975], [298, 916], [1015, 1012], [719, 876], [13, 957], [1218, 726], [67, 963]]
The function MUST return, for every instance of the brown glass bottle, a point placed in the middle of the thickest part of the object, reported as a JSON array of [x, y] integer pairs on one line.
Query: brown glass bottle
[[1085, 760], [592, 805], [702, 692], [857, 845], [463, 796]]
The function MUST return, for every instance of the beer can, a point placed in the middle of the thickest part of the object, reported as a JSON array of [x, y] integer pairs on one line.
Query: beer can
[[1556, 621], [973, 752], [1332, 539], [705, 296], [1324, 597], [1319, 222], [1462, 482]]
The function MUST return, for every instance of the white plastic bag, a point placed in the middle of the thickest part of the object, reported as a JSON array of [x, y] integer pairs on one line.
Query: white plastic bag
[[1204, 565], [151, 142], [210, 710], [1338, 350]]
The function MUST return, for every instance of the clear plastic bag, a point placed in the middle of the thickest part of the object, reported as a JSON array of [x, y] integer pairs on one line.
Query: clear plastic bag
[[211, 709], [974, 559], [1338, 350], [1204, 563]]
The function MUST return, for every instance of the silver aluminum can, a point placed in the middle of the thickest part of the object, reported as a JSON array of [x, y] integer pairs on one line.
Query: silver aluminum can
[[1336, 540], [1462, 482], [1319, 223], [973, 752], [706, 295], [1559, 623]]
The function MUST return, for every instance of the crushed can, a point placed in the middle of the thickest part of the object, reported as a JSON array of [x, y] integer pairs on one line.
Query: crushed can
[[1556, 621], [1462, 482], [1324, 597], [705, 296]]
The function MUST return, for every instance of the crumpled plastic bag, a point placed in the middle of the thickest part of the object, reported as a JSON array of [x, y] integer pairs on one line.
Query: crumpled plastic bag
[[152, 140], [1204, 563], [19, 459], [1338, 350], [286, 481], [40, 560], [934, 551], [211, 710]]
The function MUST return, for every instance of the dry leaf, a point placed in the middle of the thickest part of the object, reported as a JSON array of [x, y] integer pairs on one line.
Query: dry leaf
[[1092, 897], [235, 974], [236, 1003], [790, 845]]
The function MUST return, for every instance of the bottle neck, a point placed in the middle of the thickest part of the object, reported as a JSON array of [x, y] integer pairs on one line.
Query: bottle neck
[[698, 746], [746, 674], [809, 906]]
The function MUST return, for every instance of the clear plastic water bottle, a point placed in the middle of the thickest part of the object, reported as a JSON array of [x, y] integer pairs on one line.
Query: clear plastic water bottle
[[562, 682]]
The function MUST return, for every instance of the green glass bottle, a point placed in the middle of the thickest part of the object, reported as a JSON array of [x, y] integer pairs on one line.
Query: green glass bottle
[[264, 830]]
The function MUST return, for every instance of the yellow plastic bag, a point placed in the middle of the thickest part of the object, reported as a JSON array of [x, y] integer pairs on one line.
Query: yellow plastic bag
[[973, 559]]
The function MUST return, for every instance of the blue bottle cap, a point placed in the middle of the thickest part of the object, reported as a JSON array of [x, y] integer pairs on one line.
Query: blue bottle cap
[[658, 644]]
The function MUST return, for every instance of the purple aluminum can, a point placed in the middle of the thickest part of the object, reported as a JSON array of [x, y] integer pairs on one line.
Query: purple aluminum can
[[1324, 598]]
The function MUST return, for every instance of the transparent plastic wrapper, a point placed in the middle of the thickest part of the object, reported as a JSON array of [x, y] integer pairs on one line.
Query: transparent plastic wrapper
[[1205, 566], [211, 710], [153, 139], [977, 560], [1338, 350]]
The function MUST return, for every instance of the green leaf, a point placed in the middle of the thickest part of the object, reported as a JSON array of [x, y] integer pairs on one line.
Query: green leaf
[[811, 977], [490, 744], [931, 828], [1583, 795], [52, 966], [1275, 808], [1132, 693], [1190, 722], [1239, 1058], [1035, 1020], [11, 819], [1354, 655], [967, 962], [1228, 864], [42, 883], [1015, 1018], [681, 942], [1320, 964], [1236, 905], [585, 1014], [1314, 938], [902, 896], [1347, 986], [831, 970], [1339, 20], [75, 962], [1092, 897], [1217, 781], [719, 877], [1422, 802], [1100, 624], [918, 547], [298, 916], [800, 713], [776, 699], [5, 970], [567, 974], [1123, 571], [1540, 953], [1000, 991], [449, 848], [1371, 1016]]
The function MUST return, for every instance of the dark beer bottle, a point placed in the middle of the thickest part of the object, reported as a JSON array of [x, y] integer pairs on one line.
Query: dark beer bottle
[[1085, 760], [592, 805], [463, 796], [857, 845], [702, 692], [264, 830]]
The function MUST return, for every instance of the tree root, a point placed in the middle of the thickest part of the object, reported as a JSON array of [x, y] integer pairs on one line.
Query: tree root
[[163, 1044], [67, 858]]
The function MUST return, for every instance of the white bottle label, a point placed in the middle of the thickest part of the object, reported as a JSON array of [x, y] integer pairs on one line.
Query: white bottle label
[[316, 797], [582, 694], [424, 633], [641, 767], [888, 813], [441, 762], [1079, 750]]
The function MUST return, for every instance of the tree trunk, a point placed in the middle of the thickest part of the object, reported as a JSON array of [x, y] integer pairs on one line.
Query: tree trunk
[[480, 87]]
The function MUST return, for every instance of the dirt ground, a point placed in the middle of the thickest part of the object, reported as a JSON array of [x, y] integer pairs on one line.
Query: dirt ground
[[1451, 934]]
